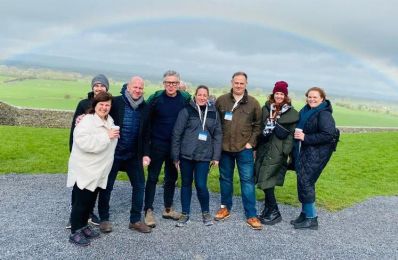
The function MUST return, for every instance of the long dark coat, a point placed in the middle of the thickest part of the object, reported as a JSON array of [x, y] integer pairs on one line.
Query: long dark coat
[[271, 156], [315, 152]]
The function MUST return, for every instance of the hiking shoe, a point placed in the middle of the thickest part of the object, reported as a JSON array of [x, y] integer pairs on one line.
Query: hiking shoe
[[183, 220], [207, 219], [222, 213], [140, 227], [254, 223], [299, 219], [78, 238], [106, 226], [170, 213], [149, 219], [90, 233], [94, 220]]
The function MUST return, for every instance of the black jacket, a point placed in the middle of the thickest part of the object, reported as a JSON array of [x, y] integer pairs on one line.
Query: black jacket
[[81, 109]]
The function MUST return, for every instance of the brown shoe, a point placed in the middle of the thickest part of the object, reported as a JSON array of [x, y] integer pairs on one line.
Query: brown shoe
[[170, 213], [254, 223], [222, 213], [105, 226], [140, 227]]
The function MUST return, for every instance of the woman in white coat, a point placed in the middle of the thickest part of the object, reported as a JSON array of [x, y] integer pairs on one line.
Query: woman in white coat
[[94, 142]]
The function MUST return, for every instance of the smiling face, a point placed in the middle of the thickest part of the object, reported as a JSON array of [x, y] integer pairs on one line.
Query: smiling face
[[279, 97], [171, 84], [239, 84], [102, 108], [98, 88], [314, 98], [201, 96]]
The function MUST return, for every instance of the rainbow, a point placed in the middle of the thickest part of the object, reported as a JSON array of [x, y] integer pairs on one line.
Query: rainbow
[[231, 12]]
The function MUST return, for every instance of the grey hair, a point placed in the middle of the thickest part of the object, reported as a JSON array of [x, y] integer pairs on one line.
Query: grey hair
[[171, 73]]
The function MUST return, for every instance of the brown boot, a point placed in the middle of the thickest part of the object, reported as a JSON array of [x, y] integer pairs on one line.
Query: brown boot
[[106, 226], [140, 227]]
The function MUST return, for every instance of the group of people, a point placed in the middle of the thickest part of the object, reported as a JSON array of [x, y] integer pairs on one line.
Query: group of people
[[189, 135]]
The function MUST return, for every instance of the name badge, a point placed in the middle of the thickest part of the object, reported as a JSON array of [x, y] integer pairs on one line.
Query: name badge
[[228, 116], [202, 136]]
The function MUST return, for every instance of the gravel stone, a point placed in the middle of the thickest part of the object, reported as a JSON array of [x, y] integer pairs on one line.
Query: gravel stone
[[34, 210]]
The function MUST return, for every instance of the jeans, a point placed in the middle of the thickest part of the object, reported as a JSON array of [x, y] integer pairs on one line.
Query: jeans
[[199, 171], [160, 153], [245, 163], [83, 203], [135, 172]]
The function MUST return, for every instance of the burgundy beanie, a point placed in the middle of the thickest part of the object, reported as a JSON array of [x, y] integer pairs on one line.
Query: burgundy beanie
[[281, 86]]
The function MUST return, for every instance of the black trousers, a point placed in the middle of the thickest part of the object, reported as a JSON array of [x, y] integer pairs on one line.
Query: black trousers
[[83, 203]]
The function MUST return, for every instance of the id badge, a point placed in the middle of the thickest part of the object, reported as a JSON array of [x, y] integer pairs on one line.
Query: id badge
[[228, 116], [202, 135]]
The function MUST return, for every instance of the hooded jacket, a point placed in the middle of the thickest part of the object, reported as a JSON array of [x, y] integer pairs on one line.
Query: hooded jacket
[[272, 155], [315, 151], [185, 142]]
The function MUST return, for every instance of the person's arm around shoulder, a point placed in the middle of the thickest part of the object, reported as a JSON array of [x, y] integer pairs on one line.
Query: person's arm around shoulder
[[80, 110]]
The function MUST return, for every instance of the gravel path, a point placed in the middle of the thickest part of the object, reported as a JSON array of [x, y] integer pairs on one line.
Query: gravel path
[[34, 210]]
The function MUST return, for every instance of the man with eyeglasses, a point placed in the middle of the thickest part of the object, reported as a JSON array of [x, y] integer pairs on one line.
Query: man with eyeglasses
[[99, 84], [164, 108]]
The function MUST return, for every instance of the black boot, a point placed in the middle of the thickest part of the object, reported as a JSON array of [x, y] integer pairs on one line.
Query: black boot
[[272, 217], [264, 213], [299, 219], [308, 223]]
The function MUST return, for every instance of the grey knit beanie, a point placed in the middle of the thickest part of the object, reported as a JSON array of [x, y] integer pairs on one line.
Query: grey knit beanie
[[100, 78]]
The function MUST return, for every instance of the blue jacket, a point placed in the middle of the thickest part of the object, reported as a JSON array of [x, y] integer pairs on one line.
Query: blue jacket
[[117, 113]]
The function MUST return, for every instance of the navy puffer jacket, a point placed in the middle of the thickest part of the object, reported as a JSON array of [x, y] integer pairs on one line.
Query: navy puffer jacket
[[315, 152]]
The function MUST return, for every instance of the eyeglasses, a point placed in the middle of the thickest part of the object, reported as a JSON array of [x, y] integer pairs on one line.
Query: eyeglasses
[[171, 83]]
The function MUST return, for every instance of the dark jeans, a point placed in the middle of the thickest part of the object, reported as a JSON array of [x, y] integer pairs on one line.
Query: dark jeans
[[190, 170], [83, 202], [160, 153], [135, 172], [245, 162]]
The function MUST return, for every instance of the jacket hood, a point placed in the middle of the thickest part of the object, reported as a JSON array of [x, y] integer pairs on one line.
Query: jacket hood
[[211, 107], [328, 106]]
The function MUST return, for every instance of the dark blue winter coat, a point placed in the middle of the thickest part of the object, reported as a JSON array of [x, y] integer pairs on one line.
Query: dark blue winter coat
[[315, 152]]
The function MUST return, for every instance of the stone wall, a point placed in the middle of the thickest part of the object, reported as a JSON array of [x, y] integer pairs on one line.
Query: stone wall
[[11, 115], [50, 118]]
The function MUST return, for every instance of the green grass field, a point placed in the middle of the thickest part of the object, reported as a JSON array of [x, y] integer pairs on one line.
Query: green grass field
[[364, 165], [65, 94]]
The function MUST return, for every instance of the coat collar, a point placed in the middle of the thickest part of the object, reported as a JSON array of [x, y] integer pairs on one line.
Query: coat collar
[[244, 99]]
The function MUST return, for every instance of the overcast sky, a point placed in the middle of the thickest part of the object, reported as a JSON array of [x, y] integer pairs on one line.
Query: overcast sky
[[347, 47]]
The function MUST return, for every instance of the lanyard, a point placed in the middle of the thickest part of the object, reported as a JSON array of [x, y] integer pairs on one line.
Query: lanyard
[[236, 103], [204, 116]]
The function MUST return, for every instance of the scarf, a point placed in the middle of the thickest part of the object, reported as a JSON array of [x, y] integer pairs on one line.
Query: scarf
[[305, 113], [270, 122], [133, 103]]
